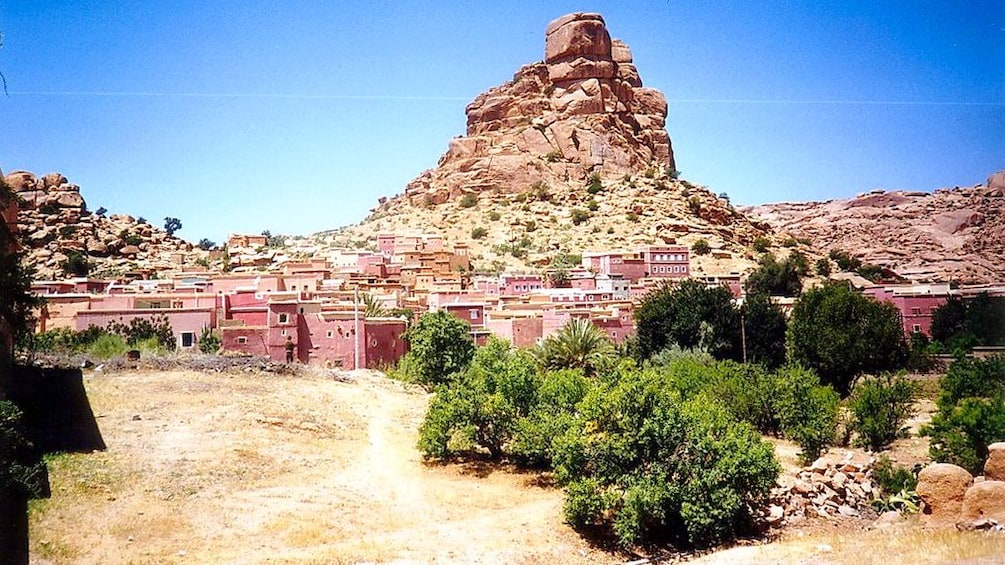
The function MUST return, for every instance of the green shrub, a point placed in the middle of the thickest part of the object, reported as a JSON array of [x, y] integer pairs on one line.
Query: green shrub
[[553, 156], [530, 226], [807, 411], [971, 412], [881, 407], [632, 217], [893, 479], [554, 415], [648, 465], [482, 406], [209, 340], [479, 233], [761, 244], [701, 247], [595, 185], [76, 264], [439, 347], [579, 216], [469, 200], [494, 216], [108, 346], [22, 469], [823, 267], [592, 205]]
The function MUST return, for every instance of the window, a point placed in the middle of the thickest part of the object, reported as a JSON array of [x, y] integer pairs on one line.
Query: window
[[916, 328], [915, 311], [473, 313], [242, 340], [177, 304], [187, 339], [330, 334], [283, 332], [284, 318]]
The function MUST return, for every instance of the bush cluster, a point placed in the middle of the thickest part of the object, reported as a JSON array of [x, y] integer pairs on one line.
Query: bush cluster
[[881, 407], [152, 334], [662, 452], [971, 412]]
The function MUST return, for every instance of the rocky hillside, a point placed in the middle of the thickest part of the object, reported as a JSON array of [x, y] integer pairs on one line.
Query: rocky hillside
[[572, 154], [953, 234], [55, 225]]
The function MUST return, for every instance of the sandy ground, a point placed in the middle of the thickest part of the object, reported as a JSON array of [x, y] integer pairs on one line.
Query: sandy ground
[[219, 468], [261, 468]]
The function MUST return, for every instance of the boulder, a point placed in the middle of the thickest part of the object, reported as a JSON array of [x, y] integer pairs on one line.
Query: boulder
[[53, 180], [983, 501], [994, 467], [941, 487], [577, 35]]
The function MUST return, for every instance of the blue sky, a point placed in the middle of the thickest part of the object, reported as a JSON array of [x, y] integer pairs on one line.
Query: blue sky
[[240, 116]]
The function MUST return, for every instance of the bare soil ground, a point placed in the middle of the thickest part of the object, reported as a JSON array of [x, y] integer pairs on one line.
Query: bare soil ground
[[264, 468]]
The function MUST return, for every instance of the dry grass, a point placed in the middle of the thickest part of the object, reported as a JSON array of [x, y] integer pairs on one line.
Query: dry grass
[[257, 468]]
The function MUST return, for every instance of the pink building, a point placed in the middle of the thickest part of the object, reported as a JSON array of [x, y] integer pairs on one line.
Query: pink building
[[654, 261], [471, 312], [521, 331], [186, 323], [519, 284], [915, 303]]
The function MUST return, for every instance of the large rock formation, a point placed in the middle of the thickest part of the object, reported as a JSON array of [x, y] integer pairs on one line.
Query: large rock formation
[[571, 155], [947, 235], [54, 223], [582, 111]]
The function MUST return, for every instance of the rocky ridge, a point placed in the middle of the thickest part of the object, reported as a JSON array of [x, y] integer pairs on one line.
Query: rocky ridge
[[54, 223], [953, 234], [572, 154]]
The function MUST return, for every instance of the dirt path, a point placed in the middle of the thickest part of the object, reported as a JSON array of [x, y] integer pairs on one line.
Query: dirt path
[[267, 469]]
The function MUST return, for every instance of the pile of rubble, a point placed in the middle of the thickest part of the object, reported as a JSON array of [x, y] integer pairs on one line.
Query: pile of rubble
[[835, 485]]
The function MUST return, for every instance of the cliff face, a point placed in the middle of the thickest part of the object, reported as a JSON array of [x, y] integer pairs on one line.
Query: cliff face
[[953, 234], [54, 223], [582, 111]]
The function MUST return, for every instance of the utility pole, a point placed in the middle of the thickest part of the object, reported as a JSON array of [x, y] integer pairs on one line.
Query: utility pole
[[355, 324], [743, 335]]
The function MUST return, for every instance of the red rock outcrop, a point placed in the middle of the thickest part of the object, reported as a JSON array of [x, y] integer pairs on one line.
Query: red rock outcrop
[[953, 234], [54, 222], [581, 111]]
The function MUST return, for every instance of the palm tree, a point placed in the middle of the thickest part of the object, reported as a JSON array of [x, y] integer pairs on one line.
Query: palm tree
[[578, 345], [374, 308]]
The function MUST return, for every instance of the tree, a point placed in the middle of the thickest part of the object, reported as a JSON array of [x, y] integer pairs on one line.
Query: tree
[[960, 324], [374, 307], [17, 302], [691, 315], [764, 327], [440, 345], [171, 225], [842, 334], [206, 244], [774, 278], [647, 464], [578, 345], [481, 406]]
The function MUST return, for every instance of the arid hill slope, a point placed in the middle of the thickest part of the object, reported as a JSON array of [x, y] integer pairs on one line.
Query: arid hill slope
[[953, 234]]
